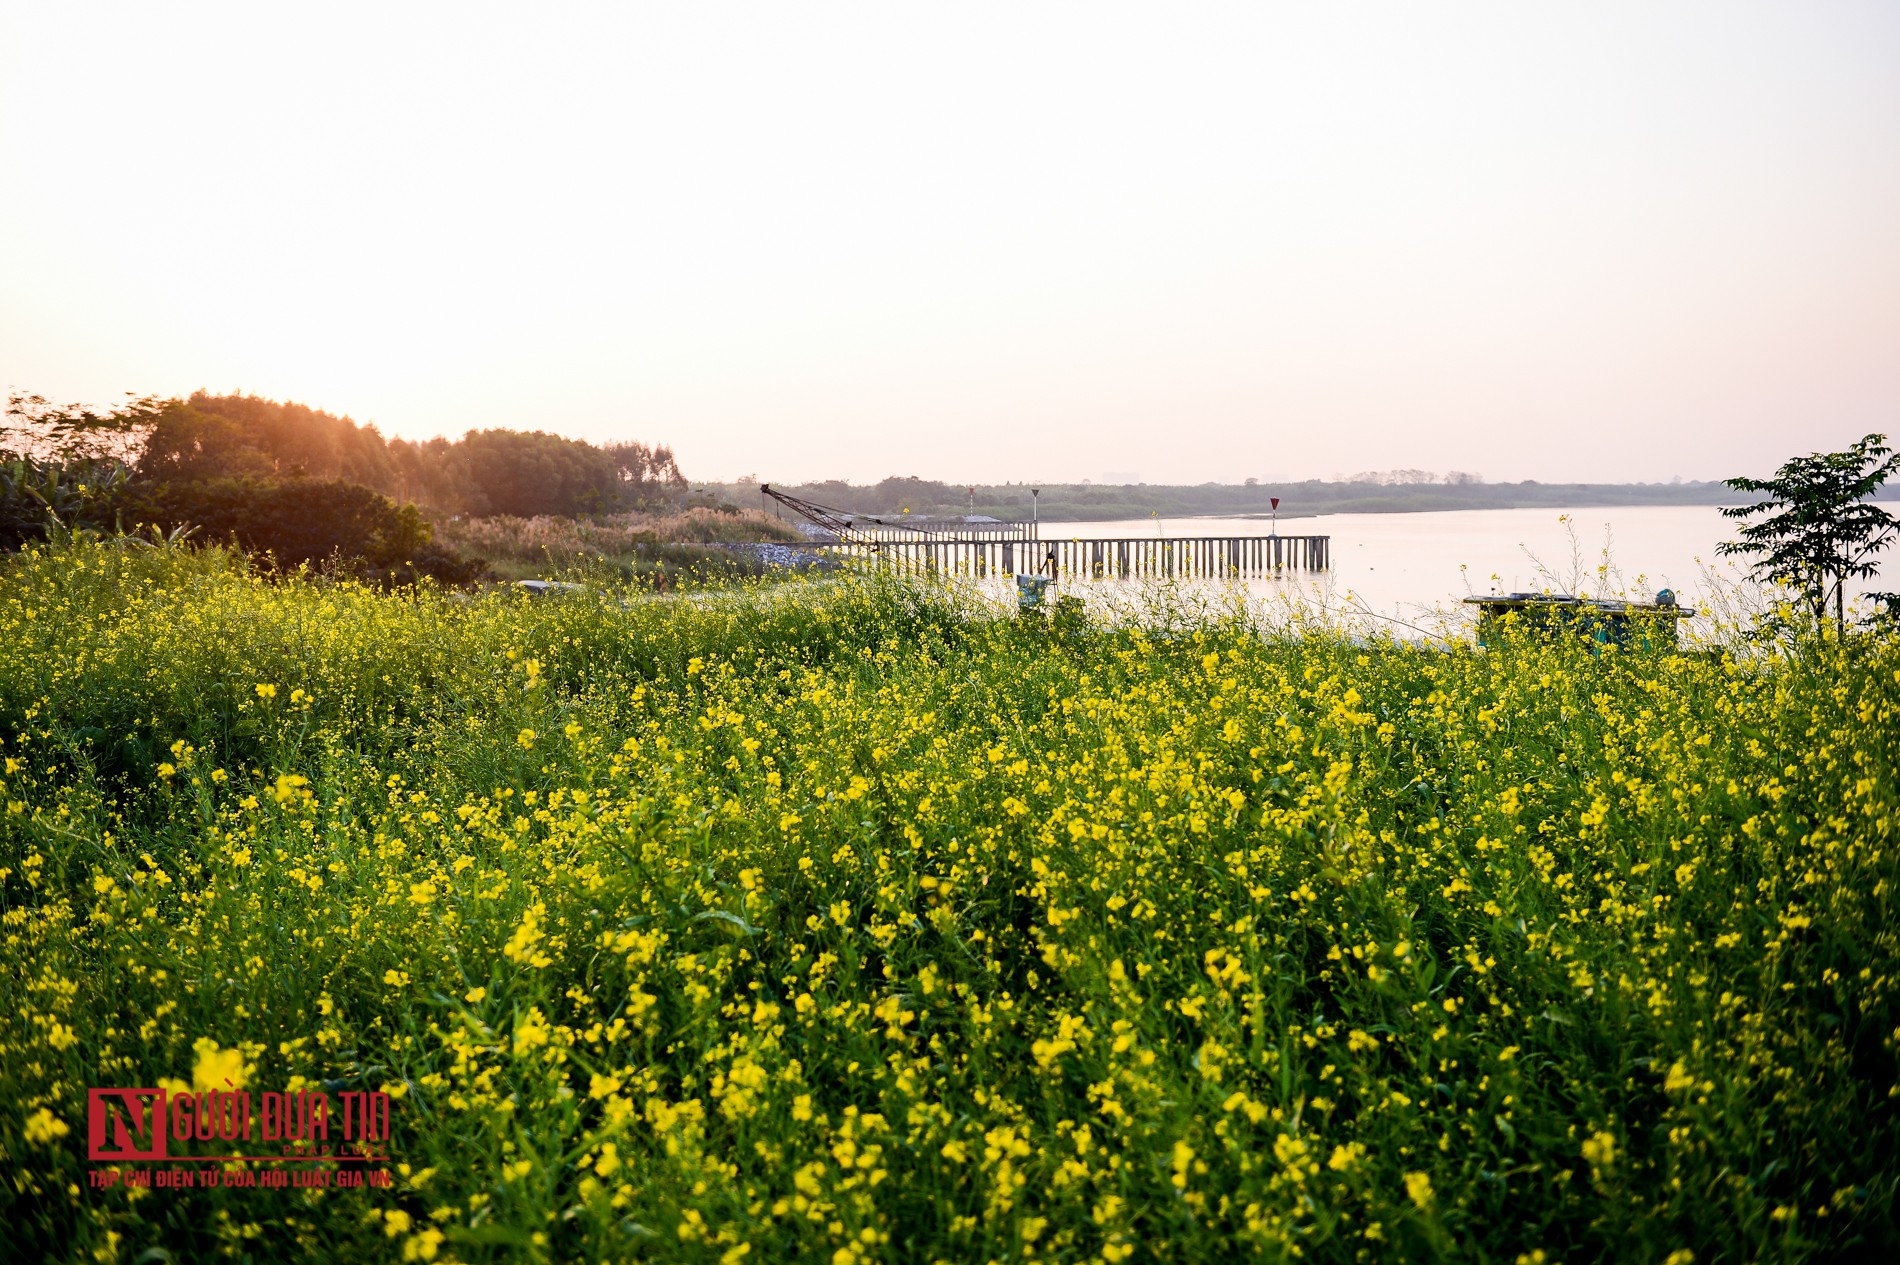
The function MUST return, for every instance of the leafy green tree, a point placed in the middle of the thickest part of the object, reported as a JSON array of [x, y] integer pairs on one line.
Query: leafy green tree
[[1820, 529]]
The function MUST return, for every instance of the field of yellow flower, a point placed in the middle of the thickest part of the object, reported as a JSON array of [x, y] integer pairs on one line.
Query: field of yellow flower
[[846, 922]]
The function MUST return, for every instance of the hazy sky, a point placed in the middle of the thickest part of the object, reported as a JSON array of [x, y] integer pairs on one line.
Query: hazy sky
[[1178, 242]]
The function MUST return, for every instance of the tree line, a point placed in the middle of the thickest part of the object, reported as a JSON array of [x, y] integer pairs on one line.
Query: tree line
[[204, 437], [298, 483]]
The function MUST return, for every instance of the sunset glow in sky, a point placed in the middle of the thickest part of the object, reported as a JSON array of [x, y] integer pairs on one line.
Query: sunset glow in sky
[[978, 242]]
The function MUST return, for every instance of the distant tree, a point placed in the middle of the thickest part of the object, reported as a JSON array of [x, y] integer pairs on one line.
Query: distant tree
[[299, 441], [646, 473], [1820, 531], [526, 473], [429, 473], [185, 445], [910, 494]]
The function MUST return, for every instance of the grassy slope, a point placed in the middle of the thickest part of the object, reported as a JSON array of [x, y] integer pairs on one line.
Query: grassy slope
[[615, 546], [846, 925]]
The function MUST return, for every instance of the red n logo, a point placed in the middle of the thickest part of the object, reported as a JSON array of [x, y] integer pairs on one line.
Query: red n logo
[[125, 1124]]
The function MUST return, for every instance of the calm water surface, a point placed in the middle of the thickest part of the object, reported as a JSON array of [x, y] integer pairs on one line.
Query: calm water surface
[[1404, 566]]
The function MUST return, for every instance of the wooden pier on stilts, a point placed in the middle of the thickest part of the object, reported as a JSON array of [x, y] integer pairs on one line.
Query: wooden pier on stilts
[[1113, 558], [976, 545]]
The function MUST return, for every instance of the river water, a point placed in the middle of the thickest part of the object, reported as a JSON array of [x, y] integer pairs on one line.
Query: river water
[[1414, 569]]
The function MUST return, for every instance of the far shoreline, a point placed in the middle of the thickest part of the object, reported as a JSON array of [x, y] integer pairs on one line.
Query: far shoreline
[[923, 499]]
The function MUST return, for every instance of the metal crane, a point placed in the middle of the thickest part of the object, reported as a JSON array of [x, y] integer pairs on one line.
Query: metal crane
[[844, 523]]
